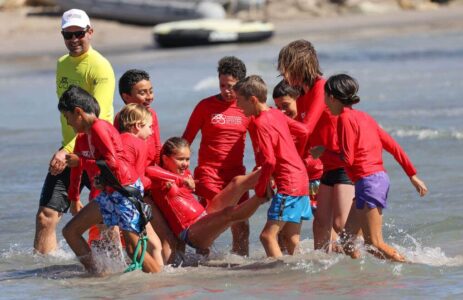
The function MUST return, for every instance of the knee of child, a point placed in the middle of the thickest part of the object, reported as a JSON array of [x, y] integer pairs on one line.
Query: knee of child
[[293, 239], [338, 225], [266, 237], [44, 220]]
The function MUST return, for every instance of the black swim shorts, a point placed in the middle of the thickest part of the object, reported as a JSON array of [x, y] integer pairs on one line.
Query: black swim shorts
[[55, 190], [337, 176]]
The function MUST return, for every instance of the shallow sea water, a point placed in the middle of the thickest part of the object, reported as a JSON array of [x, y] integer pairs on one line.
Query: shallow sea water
[[411, 84]]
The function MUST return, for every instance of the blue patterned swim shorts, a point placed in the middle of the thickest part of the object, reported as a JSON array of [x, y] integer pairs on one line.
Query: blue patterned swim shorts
[[117, 210]]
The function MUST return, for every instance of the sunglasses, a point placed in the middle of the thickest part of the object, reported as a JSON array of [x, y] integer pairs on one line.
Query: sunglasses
[[67, 35]]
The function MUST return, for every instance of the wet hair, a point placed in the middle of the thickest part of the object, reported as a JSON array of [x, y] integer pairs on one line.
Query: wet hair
[[299, 60], [171, 146], [233, 66], [252, 85], [76, 96], [284, 89], [131, 78], [343, 88], [132, 114]]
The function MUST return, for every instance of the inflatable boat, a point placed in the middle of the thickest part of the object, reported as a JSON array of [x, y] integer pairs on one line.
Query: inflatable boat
[[210, 31]]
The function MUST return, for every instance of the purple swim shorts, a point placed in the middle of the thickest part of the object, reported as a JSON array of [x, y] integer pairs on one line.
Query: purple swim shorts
[[372, 191]]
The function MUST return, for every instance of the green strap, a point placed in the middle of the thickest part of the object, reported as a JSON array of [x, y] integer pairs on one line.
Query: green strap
[[138, 265]]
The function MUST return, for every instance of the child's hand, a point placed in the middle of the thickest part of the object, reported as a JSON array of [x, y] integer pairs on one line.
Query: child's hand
[[189, 182], [57, 162], [419, 185], [72, 160], [270, 190], [76, 206], [317, 151]]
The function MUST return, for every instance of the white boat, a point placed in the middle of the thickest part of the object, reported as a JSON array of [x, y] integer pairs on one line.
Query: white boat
[[210, 31], [147, 11]]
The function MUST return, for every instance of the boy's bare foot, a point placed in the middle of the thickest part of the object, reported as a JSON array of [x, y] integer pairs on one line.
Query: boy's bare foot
[[387, 252]]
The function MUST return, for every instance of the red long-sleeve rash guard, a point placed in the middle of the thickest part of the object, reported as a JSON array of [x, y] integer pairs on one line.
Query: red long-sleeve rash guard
[[106, 144], [325, 134], [223, 128], [311, 105], [272, 138], [177, 202], [311, 110], [153, 142], [362, 142], [136, 155], [87, 164]]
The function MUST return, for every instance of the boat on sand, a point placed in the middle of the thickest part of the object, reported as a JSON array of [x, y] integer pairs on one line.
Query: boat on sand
[[211, 31]]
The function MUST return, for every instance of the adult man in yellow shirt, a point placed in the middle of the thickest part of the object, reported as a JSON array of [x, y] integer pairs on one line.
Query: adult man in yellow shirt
[[87, 68]]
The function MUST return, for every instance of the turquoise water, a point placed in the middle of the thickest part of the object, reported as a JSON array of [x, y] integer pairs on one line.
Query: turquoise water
[[410, 84]]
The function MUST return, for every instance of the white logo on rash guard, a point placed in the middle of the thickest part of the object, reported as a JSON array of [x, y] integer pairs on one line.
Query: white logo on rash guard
[[218, 119], [226, 120]]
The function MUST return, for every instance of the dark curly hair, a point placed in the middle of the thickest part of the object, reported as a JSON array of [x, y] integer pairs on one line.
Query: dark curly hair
[[233, 66], [131, 78]]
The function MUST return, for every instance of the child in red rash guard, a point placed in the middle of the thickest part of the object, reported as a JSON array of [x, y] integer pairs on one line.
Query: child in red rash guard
[[298, 63], [223, 133], [362, 142], [135, 87], [172, 189], [135, 122], [272, 134], [79, 108], [285, 98]]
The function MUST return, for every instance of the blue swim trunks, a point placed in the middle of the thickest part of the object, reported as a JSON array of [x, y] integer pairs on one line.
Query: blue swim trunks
[[372, 190], [286, 208], [117, 210]]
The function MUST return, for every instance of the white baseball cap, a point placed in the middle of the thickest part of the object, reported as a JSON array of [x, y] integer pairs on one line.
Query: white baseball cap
[[75, 17]]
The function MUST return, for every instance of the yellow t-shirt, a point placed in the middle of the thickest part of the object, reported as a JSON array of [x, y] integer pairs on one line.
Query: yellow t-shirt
[[92, 72]]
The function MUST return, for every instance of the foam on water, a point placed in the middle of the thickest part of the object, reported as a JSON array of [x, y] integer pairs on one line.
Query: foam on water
[[208, 83], [437, 112], [426, 133]]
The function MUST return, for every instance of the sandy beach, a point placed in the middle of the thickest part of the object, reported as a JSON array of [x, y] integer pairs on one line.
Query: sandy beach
[[31, 35]]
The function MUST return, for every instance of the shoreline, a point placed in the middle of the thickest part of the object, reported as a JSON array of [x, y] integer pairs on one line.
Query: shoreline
[[32, 38]]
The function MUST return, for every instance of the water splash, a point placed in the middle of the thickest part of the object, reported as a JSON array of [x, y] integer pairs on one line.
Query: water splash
[[432, 256]]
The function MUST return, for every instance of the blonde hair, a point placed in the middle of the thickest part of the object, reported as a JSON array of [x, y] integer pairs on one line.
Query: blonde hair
[[132, 114], [299, 61]]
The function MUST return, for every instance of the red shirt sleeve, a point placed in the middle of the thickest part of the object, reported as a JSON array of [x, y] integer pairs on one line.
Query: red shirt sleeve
[[159, 173], [75, 179], [265, 157], [76, 172], [300, 134], [154, 141], [194, 124], [313, 105], [102, 141], [391, 146]]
